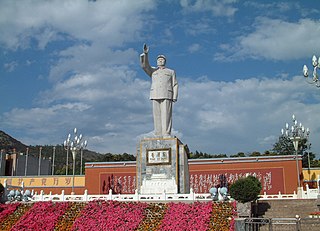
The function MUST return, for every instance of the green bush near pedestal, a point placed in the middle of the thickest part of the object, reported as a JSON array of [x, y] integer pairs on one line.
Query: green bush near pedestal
[[246, 189]]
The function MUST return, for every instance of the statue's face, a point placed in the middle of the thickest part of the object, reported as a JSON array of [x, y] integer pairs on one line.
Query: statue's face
[[161, 62]]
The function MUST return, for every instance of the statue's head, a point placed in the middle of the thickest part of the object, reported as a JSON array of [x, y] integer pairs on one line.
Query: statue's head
[[161, 60]]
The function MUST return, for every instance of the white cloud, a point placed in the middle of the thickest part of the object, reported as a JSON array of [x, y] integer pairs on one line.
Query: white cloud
[[110, 22], [103, 84], [216, 7], [95, 88], [10, 66], [92, 74], [276, 40], [272, 7], [194, 48], [245, 114], [196, 28]]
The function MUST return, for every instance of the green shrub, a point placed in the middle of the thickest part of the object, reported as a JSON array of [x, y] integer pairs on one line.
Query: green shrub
[[246, 189]]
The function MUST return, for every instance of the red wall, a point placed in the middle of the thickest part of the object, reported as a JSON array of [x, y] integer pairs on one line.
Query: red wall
[[276, 173], [118, 176]]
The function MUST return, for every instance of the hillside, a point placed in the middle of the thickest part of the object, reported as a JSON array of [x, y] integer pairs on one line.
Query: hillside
[[9, 143]]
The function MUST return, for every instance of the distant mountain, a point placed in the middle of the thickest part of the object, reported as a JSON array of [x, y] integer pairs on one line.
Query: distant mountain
[[9, 143]]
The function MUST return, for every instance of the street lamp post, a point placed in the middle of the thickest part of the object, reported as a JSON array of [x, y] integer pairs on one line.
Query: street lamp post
[[53, 157], [297, 133], [66, 145], [39, 164], [74, 145], [81, 155], [26, 163], [315, 78]]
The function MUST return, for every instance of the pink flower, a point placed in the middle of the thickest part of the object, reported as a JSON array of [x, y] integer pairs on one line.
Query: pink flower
[[110, 215], [42, 216], [182, 216]]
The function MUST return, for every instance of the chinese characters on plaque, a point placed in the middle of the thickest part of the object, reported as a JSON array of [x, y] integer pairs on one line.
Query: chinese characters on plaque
[[158, 156]]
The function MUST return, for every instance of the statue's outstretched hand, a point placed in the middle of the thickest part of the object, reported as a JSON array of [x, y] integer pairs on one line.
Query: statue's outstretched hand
[[145, 48]]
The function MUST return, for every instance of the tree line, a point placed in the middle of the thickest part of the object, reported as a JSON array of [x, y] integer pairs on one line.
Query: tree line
[[283, 146]]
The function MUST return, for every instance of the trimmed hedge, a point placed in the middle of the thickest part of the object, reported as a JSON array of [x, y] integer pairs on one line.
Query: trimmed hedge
[[246, 189]]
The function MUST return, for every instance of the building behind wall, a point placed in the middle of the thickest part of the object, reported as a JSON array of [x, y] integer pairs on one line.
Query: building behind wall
[[32, 166], [13, 164]]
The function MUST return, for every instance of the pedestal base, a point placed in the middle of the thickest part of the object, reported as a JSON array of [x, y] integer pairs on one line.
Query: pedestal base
[[162, 166], [158, 184]]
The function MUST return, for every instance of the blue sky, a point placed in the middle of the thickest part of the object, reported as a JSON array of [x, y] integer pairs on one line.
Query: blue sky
[[67, 64]]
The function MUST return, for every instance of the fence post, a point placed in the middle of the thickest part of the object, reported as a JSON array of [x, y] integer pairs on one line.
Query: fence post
[[86, 195], [42, 195], [307, 190], [192, 194], [136, 195], [164, 195], [110, 194], [62, 195]]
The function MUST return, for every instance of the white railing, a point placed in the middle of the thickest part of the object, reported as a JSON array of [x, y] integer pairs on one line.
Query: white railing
[[125, 197], [302, 194], [166, 197], [310, 193], [266, 196]]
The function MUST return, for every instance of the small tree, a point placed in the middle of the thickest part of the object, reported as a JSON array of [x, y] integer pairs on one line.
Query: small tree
[[239, 154], [246, 189], [284, 146]]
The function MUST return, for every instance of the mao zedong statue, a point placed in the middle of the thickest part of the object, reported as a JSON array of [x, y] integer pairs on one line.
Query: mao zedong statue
[[164, 91]]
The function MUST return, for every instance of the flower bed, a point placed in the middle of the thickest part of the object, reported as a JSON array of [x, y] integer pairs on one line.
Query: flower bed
[[153, 216], [110, 215], [12, 218], [66, 221], [222, 217], [182, 216], [113, 215]]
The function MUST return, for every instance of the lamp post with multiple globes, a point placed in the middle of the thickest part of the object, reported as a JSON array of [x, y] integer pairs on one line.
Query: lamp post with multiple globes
[[75, 145], [315, 77], [297, 133]]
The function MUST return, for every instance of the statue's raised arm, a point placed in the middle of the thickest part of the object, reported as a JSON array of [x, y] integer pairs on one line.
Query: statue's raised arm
[[144, 60]]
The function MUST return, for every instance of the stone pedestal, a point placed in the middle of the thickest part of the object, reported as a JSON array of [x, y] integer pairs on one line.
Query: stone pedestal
[[162, 166]]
